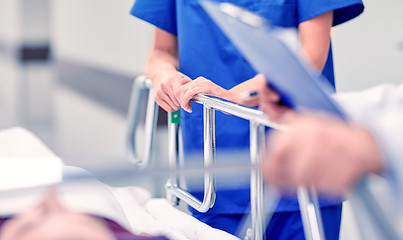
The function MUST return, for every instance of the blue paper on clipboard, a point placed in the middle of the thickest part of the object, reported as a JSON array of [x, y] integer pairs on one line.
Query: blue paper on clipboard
[[272, 52]]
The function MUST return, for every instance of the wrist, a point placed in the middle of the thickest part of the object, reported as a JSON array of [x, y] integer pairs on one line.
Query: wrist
[[231, 95]]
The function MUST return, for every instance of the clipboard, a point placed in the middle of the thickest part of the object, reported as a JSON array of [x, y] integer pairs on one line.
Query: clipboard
[[273, 51]]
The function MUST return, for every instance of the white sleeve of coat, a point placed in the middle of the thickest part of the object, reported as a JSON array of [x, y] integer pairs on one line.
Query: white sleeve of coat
[[380, 110]]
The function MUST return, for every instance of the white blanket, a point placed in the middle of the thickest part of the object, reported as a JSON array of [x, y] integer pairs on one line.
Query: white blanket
[[25, 161], [158, 217]]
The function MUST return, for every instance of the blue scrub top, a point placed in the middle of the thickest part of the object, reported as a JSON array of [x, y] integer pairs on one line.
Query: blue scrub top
[[205, 51]]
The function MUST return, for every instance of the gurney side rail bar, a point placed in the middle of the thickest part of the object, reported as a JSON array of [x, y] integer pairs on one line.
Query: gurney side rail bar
[[237, 110], [174, 192], [141, 84]]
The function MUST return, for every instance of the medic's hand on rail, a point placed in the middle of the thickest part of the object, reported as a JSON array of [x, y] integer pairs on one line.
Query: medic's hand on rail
[[200, 85], [161, 68], [167, 89], [321, 151], [236, 94], [269, 103]]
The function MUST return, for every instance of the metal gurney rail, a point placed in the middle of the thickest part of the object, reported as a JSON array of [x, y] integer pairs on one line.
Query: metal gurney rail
[[141, 85], [310, 211]]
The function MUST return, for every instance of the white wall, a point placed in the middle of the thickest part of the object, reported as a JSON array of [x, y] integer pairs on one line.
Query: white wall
[[100, 32], [24, 90], [35, 21], [369, 50], [24, 21], [10, 97], [9, 75], [85, 128], [10, 21]]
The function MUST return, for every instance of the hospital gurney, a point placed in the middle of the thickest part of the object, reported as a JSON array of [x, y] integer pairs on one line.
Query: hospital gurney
[[309, 207]]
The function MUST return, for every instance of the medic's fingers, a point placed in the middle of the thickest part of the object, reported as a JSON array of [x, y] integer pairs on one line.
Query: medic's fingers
[[162, 103], [272, 95], [189, 89], [189, 94], [272, 110], [250, 101], [268, 94], [168, 95], [185, 80], [187, 97], [178, 89]]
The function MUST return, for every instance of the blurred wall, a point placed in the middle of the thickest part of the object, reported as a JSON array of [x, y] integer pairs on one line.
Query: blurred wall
[[9, 33], [369, 49], [101, 33], [103, 48], [10, 19], [24, 72], [66, 69]]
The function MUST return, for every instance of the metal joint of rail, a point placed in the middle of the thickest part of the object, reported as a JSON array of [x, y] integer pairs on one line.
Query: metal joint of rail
[[310, 211]]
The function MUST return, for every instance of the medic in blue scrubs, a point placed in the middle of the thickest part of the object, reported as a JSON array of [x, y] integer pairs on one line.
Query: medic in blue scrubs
[[188, 44]]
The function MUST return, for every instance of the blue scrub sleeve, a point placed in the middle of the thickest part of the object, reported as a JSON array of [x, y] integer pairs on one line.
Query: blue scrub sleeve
[[344, 10], [160, 13]]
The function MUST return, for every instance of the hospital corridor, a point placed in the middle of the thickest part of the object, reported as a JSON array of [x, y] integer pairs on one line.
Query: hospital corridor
[[92, 146]]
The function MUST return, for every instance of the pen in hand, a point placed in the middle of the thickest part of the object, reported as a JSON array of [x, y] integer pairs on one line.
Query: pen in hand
[[246, 95]]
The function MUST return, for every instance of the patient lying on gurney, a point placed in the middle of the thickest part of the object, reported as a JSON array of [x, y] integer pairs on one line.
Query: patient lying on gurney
[[87, 209], [50, 220]]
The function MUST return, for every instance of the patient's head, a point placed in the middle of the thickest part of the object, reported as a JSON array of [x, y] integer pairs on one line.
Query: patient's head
[[49, 220]]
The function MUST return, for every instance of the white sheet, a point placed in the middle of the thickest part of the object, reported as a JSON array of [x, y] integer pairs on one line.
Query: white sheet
[[25, 161], [156, 216]]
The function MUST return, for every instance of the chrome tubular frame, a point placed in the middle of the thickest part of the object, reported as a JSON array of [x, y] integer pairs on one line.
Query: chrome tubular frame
[[310, 214], [307, 199], [174, 192], [258, 121], [141, 84], [257, 134], [172, 185]]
